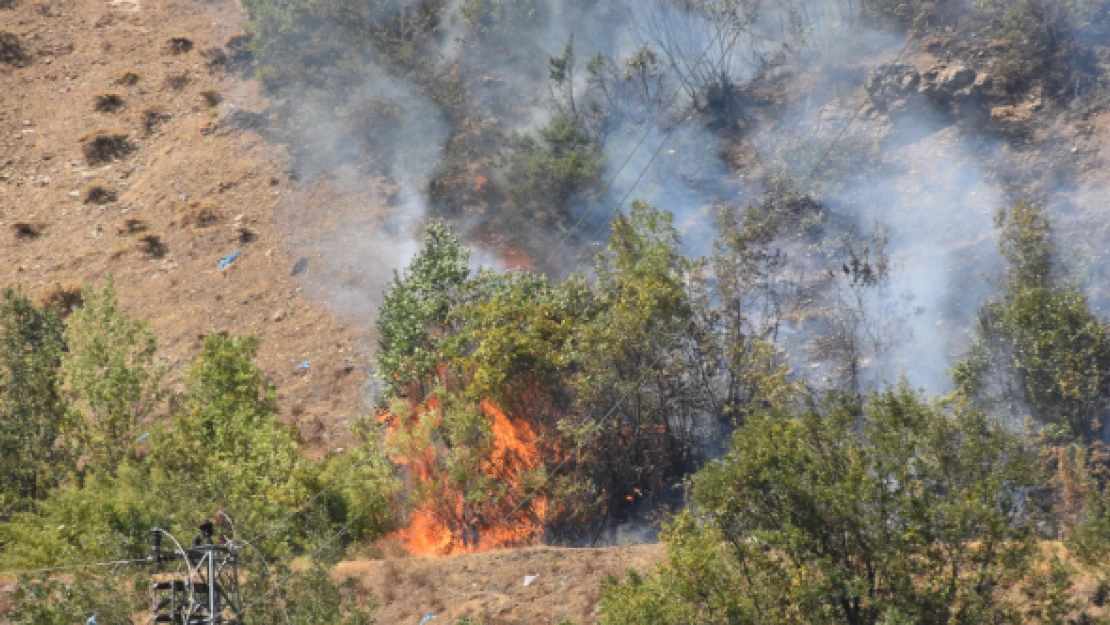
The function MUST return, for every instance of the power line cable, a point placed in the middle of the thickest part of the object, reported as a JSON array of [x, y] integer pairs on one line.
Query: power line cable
[[886, 73], [628, 394], [72, 567], [315, 554], [863, 105], [683, 84]]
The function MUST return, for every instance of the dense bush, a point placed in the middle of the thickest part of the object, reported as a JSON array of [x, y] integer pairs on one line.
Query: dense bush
[[894, 511], [1040, 350], [548, 170]]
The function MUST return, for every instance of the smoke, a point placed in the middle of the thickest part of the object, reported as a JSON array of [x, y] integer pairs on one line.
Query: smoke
[[779, 82]]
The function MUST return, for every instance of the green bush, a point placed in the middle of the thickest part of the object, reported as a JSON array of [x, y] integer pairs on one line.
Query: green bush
[[1040, 350], [33, 411], [549, 169], [899, 511], [224, 450]]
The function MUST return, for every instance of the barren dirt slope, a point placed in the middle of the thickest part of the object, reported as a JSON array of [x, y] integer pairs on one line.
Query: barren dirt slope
[[490, 587], [173, 186]]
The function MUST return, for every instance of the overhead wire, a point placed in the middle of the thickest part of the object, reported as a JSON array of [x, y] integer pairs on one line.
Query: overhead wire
[[828, 151], [740, 30], [683, 83], [71, 567]]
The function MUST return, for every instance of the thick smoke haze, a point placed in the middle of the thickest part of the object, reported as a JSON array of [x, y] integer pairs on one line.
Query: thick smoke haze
[[922, 174]]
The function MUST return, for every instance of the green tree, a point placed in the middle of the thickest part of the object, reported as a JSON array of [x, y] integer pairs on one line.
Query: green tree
[[308, 597], [549, 169], [899, 511], [414, 314], [1040, 351], [224, 451], [113, 372], [32, 408]]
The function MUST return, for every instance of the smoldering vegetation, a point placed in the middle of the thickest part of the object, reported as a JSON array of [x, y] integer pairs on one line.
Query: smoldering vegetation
[[528, 123], [873, 142]]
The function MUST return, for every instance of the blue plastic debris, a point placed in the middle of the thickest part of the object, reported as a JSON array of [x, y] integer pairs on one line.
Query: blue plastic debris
[[142, 438], [427, 618], [91, 621], [303, 366], [230, 259]]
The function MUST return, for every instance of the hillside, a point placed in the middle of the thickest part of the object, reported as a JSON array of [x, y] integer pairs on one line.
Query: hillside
[[190, 176], [868, 257]]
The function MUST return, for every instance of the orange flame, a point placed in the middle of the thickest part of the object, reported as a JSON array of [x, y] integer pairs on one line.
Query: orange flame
[[517, 519]]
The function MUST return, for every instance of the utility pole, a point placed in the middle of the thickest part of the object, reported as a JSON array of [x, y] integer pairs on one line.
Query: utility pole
[[203, 586]]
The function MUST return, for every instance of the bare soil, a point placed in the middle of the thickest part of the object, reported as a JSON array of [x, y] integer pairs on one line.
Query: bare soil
[[116, 101], [490, 587]]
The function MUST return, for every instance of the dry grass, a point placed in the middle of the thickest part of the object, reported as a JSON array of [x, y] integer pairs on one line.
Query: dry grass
[[104, 145], [99, 194], [152, 117], [128, 77], [198, 214], [12, 51], [62, 298], [27, 229], [177, 82], [133, 225], [488, 587], [179, 45], [151, 244], [107, 102]]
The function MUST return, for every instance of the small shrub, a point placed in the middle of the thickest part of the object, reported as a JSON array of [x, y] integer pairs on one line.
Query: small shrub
[[177, 82], [215, 58], [101, 146], [133, 225], [245, 234], [211, 98], [198, 214], [62, 298], [153, 117], [152, 245], [892, 13], [549, 169], [179, 45], [98, 194], [128, 77], [12, 52], [27, 229], [107, 102]]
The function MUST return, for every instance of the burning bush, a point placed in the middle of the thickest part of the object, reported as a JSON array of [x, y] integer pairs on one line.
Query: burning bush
[[526, 411]]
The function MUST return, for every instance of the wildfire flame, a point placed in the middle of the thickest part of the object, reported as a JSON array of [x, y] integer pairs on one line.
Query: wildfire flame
[[517, 520]]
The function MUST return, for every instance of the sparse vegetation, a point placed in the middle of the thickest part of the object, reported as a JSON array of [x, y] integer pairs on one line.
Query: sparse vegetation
[[152, 244], [107, 102], [12, 51], [24, 229], [198, 214], [179, 44], [105, 145], [153, 117], [99, 194], [128, 77]]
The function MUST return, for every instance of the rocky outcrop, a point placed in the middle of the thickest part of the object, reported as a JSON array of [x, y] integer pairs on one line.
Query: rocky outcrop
[[953, 88]]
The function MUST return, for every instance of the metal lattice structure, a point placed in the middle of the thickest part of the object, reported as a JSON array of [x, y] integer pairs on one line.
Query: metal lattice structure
[[197, 585]]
